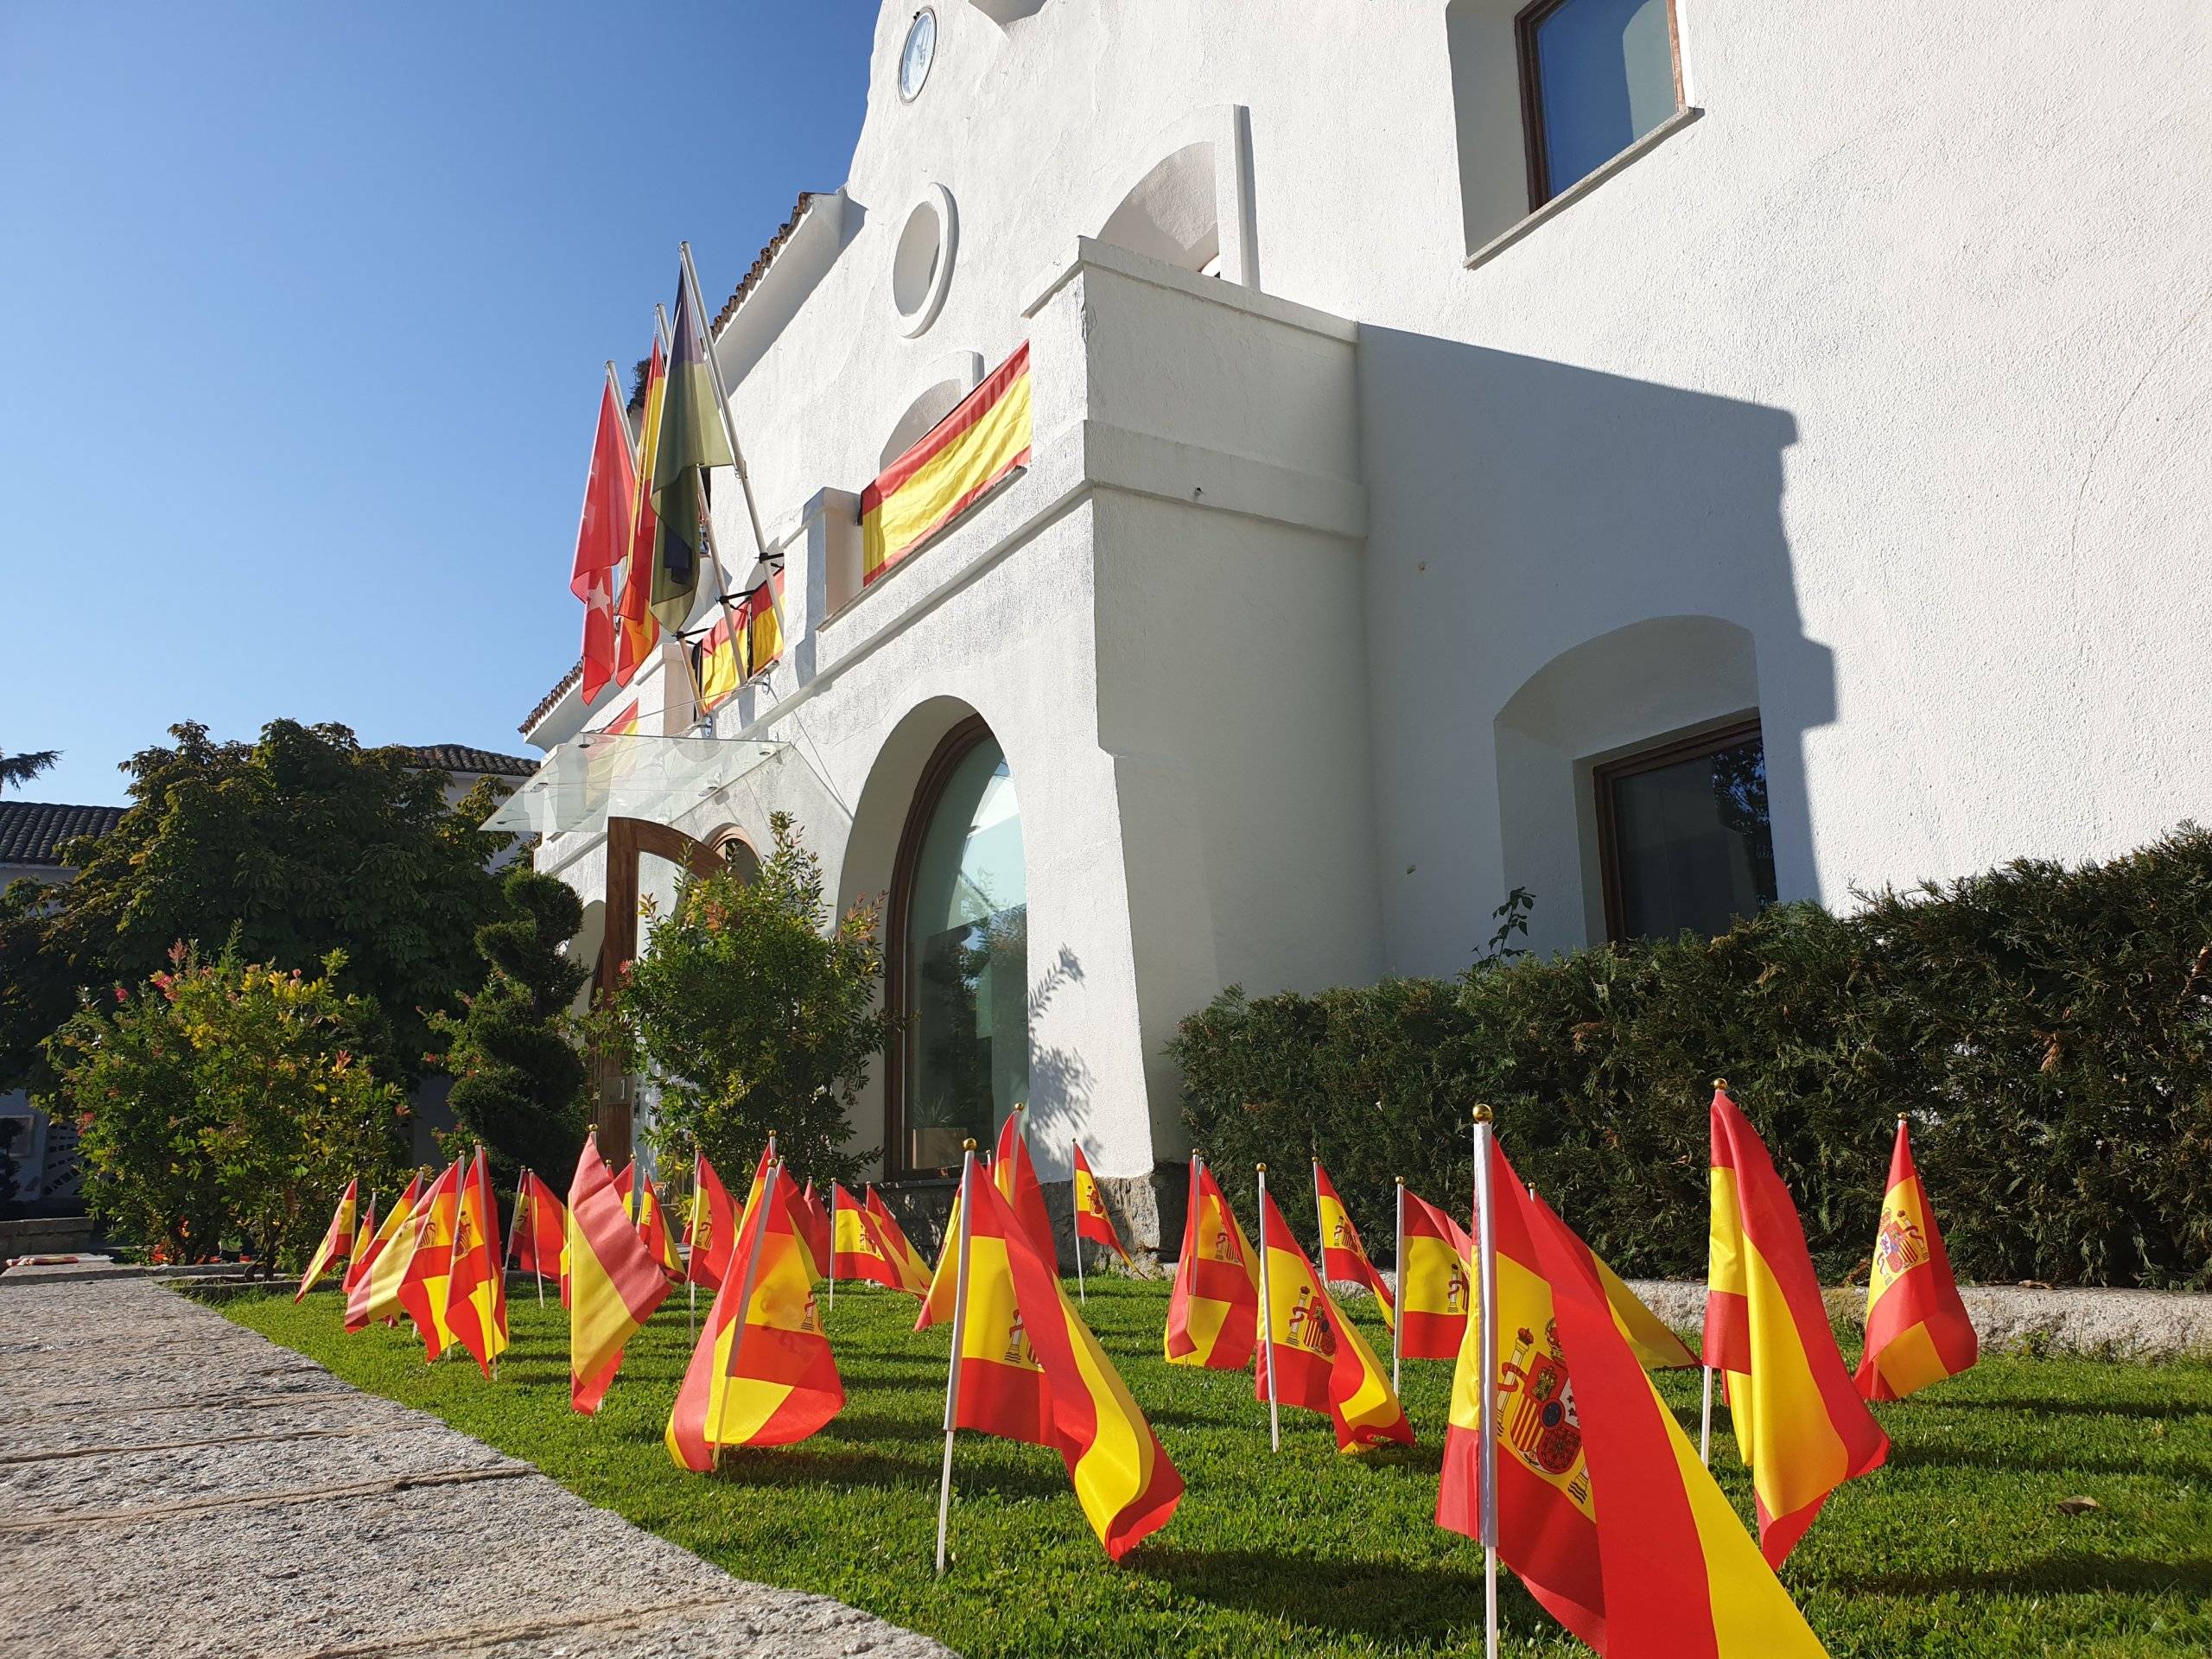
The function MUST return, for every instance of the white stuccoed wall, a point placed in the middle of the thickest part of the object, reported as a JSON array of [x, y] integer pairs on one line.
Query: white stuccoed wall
[[1872, 398]]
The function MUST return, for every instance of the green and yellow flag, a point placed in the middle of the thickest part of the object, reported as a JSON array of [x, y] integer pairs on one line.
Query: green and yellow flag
[[692, 439]]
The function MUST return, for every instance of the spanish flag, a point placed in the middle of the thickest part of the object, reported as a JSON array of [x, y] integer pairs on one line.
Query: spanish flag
[[541, 1223], [1213, 1308], [857, 1251], [603, 535], [1029, 1330], [364, 1232], [1656, 1346], [1320, 1360], [476, 1297], [1800, 1424], [913, 1271], [1438, 1288], [944, 1286], [762, 1373], [958, 462], [653, 1232], [1918, 1331], [812, 1217], [615, 1283], [714, 1226], [337, 1239], [368, 1298], [1016, 1177], [636, 629], [1091, 1221], [1002, 1390], [1603, 1509], [425, 1283], [1343, 1258]]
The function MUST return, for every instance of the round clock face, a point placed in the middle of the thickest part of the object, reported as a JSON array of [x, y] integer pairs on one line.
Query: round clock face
[[921, 48]]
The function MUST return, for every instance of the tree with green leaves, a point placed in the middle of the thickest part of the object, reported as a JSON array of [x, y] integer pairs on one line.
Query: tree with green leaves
[[226, 1104], [756, 1013], [296, 845], [519, 1082], [19, 769]]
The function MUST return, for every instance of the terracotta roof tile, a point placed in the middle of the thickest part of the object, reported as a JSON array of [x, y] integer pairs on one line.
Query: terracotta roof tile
[[546, 703], [764, 258], [462, 756], [31, 832]]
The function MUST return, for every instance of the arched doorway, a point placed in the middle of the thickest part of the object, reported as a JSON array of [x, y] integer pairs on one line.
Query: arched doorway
[[958, 967]]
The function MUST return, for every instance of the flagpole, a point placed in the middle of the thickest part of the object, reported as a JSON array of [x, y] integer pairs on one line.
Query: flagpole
[[1486, 1276], [1268, 1322], [736, 450], [537, 1256], [1320, 1227], [1705, 1415], [691, 1241], [1398, 1293], [959, 1334], [833, 1242]]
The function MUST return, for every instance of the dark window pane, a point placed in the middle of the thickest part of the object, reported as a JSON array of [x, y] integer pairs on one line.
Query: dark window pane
[[969, 935], [1692, 845], [1606, 73]]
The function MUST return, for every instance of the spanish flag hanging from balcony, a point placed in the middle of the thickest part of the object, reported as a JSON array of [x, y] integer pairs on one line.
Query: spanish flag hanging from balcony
[[959, 460], [1800, 1423], [1918, 1331], [745, 639]]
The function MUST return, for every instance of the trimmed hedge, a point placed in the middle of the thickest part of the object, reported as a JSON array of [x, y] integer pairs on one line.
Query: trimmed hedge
[[2049, 1030]]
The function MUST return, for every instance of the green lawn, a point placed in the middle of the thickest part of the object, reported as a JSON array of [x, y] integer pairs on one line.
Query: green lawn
[[1956, 1547]]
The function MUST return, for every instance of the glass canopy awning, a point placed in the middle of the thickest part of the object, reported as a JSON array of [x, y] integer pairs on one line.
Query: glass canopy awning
[[630, 775]]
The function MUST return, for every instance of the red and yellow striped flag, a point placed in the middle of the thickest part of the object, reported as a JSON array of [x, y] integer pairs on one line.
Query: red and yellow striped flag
[[476, 1295], [1091, 1221], [1800, 1424], [956, 462], [1121, 1475], [425, 1282], [1918, 1331], [1604, 1509], [653, 1232], [1016, 1177], [636, 629], [1343, 1258], [542, 1222], [1438, 1288], [368, 1299], [812, 1217], [614, 1284], [1213, 1308], [364, 1232], [714, 1226], [913, 1271], [337, 1239], [1321, 1361], [762, 1373], [858, 1251]]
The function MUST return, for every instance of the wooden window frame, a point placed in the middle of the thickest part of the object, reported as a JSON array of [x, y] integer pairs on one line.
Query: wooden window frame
[[1526, 22], [898, 1055], [1605, 776]]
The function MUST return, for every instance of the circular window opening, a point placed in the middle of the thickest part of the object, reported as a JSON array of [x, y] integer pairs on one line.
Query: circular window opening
[[921, 264], [918, 55]]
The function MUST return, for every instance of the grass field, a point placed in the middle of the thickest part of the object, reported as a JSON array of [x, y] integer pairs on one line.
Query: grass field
[[1956, 1549]]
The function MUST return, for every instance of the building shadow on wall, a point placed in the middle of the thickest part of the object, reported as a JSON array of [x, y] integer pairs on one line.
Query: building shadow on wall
[[1563, 564]]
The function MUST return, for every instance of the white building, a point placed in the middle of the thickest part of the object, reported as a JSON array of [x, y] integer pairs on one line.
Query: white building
[[1836, 414]]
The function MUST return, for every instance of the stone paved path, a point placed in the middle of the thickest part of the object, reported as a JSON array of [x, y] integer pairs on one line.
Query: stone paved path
[[172, 1484]]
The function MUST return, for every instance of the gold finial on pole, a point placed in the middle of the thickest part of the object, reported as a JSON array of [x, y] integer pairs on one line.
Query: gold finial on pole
[[1721, 1083], [1482, 1113], [1900, 1120], [1262, 1168], [1401, 1181], [969, 1145]]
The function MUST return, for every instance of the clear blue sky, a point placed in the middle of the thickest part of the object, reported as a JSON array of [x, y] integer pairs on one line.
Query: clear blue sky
[[304, 308]]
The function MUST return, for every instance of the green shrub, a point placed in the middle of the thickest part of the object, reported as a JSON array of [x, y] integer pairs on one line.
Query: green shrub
[[225, 1106], [2050, 1031]]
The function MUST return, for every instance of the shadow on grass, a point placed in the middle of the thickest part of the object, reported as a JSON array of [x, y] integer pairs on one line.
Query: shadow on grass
[[2053, 1575], [1388, 1601], [2161, 1410], [1924, 1454], [830, 1467]]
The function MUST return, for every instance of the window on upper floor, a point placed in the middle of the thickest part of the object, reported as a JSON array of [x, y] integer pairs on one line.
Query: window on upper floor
[[1596, 75]]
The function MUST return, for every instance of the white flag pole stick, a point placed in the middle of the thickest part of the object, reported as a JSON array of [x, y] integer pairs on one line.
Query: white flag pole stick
[[691, 1241], [1705, 1425], [1268, 1322], [1398, 1313], [1082, 1294], [959, 1334], [1486, 1275], [831, 1268], [745, 1289], [537, 1255], [1320, 1226]]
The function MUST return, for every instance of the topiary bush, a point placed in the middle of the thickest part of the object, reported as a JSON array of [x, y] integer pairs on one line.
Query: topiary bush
[[2048, 1029]]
